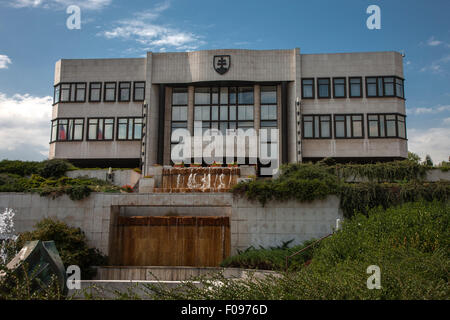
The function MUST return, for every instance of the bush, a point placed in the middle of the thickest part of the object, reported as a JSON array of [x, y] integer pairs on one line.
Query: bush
[[270, 258], [20, 168], [70, 242], [54, 168]]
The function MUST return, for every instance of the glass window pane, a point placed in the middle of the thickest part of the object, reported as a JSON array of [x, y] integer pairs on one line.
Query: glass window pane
[[249, 113], [179, 96], [223, 113], [223, 95], [324, 88], [401, 129], [390, 128], [316, 127], [357, 129], [268, 94], [373, 128], [325, 129], [340, 129], [245, 95], [122, 131], [348, 120], [232, 95], [380, 87], [382, 130], [215, 95], [205, 113], [264, 112], [232, 113], [202, 96], [198, 113], [137, 130], [308, 129], [241, 113], [78, 132], [215, 113], [355, 89], [307, 91]]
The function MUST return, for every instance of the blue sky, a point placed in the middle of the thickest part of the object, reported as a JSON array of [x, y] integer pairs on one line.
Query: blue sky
[[33, 36]]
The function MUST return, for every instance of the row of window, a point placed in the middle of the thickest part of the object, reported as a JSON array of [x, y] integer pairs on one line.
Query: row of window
[[224, 108], [351, 126], [108, 91], [98, 129], [382, 86]]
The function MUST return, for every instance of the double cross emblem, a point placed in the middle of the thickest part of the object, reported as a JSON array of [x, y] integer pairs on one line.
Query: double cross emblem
[[222, 63]]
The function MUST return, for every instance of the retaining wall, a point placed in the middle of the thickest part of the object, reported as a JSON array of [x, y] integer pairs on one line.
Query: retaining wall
[[250, 223]]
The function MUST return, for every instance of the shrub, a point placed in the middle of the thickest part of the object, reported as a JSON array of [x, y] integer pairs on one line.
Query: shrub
[[20, 168], [54, 168], [270, 258], [70, 242]]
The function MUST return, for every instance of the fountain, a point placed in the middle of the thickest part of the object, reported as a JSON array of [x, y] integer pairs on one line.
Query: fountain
[[198, 179]]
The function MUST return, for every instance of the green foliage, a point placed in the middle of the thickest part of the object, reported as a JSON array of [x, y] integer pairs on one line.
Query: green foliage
[[47, 168], [360, 197], [384, 171], [54, 168], [21, 285], [270, 258], [413, 157], [304, 182], [70, 242], [428, 162], [409, 243], [75, 188]]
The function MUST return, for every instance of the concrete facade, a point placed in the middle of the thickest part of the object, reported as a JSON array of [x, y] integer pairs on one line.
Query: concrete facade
[[255, 68], [250, 223]]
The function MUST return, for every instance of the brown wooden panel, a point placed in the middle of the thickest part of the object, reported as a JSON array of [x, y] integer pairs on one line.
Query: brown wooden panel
[[171, 241]]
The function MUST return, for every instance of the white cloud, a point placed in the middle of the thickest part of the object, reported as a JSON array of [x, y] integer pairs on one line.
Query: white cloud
[[143, 29], [24, 126], [4, 61], [433, 42], [430, 110], [61, 4], [432, 141], [446, 121], [437, 66]]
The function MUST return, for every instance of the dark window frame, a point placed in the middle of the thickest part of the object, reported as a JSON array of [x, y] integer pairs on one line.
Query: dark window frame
[[352, 135], [134, 91], [385, 125], [361, 93], [104, 91], [320, 127], [127, 130], [334, 87], [103, 129], [178, 123], [264, 123], [72, 93], [100, 92], [73, 130], [313, 88], [119, 91], [318, 88], [383, 87], [239, 123]]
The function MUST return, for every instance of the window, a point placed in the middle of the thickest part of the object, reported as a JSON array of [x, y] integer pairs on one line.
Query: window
[[110, 92], [129, 128], [139, 91], [67, 130], [95, 92], [308, 88], [399, 88], [56, 94], [348, 126], [224, 108], [339, 88], [323, 85], [69, 92], [386, 126], [124, 91], [389, 86], [317, 126], [355, 87], [100, 129]]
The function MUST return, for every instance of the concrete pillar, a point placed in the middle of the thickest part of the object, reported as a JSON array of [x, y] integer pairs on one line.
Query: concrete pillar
[[190, 118], [257, 106], [167, 125]]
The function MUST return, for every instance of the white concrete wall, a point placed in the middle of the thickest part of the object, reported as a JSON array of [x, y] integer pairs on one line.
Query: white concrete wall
[[251, 224]]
